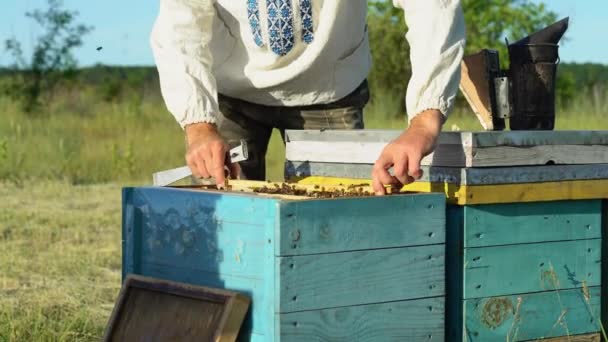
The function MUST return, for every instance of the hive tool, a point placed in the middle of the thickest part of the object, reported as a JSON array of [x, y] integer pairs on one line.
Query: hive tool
[[164, 178]]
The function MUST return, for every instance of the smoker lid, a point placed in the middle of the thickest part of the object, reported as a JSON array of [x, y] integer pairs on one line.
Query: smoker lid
[[551, 34]]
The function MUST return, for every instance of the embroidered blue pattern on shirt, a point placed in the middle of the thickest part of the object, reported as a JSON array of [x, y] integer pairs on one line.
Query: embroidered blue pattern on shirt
[[253, 13], [307, 23], [280, 26]]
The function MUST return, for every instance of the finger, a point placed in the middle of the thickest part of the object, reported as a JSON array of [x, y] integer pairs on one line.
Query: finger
[[203, 164], [377, 185], [218, 157], [400, 170], [192, 165], [413, 166]]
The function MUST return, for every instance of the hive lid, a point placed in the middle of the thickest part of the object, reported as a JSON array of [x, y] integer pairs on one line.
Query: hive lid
[[151, 309]]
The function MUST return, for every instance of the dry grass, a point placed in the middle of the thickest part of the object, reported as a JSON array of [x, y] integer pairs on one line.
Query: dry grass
[[60, 260]]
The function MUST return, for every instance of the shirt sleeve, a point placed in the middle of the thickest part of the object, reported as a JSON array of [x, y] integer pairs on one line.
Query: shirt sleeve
[[436, 35], [180, 44]]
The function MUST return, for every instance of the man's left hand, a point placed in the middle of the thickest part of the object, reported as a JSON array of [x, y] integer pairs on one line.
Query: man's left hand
[[405, 153]]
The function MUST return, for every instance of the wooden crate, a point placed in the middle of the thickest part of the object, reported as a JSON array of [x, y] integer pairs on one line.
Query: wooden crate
[[364, 269]]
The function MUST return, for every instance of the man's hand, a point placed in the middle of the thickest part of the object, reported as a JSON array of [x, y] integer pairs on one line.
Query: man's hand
[[405, 153], [207, 151]]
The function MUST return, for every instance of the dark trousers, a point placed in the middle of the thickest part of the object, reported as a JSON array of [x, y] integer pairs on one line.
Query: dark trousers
[[254, 123]]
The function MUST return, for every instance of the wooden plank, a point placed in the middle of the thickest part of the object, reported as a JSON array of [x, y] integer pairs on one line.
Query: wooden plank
[[504, 270], [465, 149], [475, 86], [320, 281], [535, 155], [222, 247], [255, 321], [370, 135], [492, 194], [195, 207], [464, 176], [414, 320], [515, 223], [533, 192], [357, 152], [149, 308], [326, 226], [533, 316], [575, 338], [538, 138], [470, 139]]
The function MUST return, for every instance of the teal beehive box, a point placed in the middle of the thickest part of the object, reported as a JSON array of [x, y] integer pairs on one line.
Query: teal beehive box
[[348, 269]]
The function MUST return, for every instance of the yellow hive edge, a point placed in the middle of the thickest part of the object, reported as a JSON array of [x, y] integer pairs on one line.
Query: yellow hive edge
[[489, 194]]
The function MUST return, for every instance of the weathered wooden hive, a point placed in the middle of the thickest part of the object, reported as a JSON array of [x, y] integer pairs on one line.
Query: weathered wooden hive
[[342, 269], [525, 219]]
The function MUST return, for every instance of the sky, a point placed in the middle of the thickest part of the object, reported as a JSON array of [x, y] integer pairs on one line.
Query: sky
[[122, 28]]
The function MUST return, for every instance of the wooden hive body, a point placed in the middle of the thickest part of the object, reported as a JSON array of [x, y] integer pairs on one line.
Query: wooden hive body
[[527, 222], [365, 269]]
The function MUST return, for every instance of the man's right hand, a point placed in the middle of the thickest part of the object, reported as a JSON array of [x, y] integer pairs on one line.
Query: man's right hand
[[207, 151]]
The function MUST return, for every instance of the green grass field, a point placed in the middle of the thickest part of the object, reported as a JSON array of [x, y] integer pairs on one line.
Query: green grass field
[[60, 179]]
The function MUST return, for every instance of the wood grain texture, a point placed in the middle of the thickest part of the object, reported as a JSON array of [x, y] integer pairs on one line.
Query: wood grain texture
[[515, 223], [505, 270], [472, 139], [357, 152], [414, 320], [256, 320], [369, 135], [532, 316], [313, 227], [535, 155], [575, 338], [475, 86], [533, 192], [314, 282], [223, 248], [296, 170], [458, 149], [157, 309]]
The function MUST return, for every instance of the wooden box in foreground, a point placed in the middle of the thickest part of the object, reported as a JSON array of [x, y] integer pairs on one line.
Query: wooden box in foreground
[[348, 269]]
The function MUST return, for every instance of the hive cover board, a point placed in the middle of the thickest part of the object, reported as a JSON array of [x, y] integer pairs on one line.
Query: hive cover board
[[151, 309]]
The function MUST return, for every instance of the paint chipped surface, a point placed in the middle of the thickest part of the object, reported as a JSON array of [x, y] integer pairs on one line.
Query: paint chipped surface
[[495, 311]]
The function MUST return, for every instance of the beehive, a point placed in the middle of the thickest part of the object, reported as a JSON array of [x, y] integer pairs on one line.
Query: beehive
[[364, 268], [526, 223]]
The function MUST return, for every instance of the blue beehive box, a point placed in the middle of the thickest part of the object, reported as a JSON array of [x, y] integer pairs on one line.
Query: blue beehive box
[[364, 269]]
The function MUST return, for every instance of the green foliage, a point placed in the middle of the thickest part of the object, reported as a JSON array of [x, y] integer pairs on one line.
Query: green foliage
[[390, 51], [3, 150], [490, 22], [52, 59]]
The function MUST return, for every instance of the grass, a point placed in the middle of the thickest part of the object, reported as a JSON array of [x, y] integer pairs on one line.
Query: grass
[[60, 260], [60, 179]]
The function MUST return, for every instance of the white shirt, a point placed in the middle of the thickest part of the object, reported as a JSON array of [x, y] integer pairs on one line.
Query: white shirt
[[295, 52]]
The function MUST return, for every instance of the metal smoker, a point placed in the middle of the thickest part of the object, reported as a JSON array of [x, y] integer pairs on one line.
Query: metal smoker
[[525, 93]]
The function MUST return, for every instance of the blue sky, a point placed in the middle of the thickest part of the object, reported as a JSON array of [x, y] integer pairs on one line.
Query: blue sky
[[122, 28]]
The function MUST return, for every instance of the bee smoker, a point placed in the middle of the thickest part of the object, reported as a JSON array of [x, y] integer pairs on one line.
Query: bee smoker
[[525, 93]]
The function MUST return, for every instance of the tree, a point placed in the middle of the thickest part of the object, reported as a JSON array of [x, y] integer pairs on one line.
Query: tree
[[488, 22], [52, 57]]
